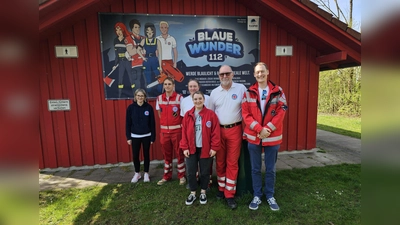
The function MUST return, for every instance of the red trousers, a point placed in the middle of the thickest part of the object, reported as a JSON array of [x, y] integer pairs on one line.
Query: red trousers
[[227, 160], [169, 145]]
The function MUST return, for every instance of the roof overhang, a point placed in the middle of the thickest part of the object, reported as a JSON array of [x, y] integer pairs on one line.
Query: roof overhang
[[338, 45]]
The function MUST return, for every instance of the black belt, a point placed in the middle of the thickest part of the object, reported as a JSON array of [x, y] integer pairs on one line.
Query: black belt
[[151, 55], [231, 125]]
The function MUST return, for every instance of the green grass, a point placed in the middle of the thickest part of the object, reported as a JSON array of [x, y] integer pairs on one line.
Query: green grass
[[317, 195], [349, 126]]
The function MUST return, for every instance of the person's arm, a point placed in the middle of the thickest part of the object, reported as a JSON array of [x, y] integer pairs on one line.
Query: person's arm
[[128, 123], [183, 143], [215, 134], [182, 113], [159, 50], [175, 51], [152, 125], [116, 61], [175, 56], [130, 48], [248, 116], [140, 49], [158, 108], [280, 111]]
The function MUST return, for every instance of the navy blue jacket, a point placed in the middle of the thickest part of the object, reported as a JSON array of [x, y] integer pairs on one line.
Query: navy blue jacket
[[140, 120]]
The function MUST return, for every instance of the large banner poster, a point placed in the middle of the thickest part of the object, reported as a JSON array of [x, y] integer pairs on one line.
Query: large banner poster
[[140, 51]]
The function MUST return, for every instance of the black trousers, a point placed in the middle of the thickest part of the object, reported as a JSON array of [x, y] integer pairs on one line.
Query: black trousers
[[136, 144], [192, 164]]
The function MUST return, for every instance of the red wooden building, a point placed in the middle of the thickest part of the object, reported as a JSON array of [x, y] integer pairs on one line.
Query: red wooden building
[[93, 131]]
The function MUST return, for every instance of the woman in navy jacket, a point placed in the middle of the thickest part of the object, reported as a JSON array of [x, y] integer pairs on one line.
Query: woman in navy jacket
[[140, 130]]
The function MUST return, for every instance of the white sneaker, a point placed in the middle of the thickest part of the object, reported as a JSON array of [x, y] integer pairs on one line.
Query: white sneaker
[[136, 178], [146, 177]]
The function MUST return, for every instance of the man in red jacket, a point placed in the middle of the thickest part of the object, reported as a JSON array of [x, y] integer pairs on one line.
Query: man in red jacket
[[263, 110]]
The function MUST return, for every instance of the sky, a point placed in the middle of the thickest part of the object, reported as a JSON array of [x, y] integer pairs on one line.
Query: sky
[[345, 7]]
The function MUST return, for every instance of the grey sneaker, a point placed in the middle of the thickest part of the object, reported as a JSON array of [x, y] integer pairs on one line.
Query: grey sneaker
[[203, 198], [254, 203], [190, 199], [272, 204]]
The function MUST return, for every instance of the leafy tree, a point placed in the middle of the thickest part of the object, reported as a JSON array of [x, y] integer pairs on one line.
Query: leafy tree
[[340, 90]]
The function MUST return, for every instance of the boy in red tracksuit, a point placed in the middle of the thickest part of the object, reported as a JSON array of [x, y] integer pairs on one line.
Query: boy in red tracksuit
[[200, 142]]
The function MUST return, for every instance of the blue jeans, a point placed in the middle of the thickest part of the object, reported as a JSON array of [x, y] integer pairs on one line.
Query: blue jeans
[[270, 157]]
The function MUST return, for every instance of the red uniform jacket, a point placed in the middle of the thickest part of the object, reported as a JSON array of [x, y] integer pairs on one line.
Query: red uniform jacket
[[211, 137], [275, 109], [170, 119]]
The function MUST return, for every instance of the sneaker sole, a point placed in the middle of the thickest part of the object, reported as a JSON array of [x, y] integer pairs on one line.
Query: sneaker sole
[[136, 181], [161, 182], [203, 203], [253, 208], [274, 209], [190, 203]]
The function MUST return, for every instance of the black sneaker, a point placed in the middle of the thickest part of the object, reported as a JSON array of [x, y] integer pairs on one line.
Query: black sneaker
[[220, 195], [231, 203], [190, 199], [203, 199]]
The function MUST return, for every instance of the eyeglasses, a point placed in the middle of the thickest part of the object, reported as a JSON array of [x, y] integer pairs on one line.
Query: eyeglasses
[[225, 74], [264, 95]]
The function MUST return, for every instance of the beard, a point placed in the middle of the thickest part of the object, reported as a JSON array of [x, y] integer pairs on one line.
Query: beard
[[226, 82]]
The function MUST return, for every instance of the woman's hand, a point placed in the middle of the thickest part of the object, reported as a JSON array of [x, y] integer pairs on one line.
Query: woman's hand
[[212, 153], [129, 142], [186, 153]]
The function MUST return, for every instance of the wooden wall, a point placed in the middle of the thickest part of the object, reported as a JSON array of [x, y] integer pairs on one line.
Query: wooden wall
[[93, 132]]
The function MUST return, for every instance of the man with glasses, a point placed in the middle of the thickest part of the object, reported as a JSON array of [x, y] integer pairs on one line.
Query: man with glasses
[[263, 109], [226, 101]]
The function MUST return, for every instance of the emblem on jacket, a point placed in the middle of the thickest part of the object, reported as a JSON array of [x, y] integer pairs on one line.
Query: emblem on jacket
[[273, 112], [208, 124], [146, 113], [234, 96]]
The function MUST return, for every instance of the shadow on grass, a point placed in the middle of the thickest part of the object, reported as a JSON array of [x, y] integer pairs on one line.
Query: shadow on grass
[[339, 131], [104, 206]]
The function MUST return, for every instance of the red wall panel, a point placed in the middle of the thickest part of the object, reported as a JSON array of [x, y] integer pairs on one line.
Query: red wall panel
[[93, 132]]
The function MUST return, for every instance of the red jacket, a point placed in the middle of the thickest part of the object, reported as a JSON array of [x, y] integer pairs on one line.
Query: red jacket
[[170, 119], [211, 138], [275, 110]]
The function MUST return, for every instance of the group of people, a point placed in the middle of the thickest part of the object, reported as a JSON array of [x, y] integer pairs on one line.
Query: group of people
[[199, 127], [138, 55]]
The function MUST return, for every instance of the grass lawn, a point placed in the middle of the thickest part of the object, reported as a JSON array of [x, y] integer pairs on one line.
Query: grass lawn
[[317, 195], [349, 126]]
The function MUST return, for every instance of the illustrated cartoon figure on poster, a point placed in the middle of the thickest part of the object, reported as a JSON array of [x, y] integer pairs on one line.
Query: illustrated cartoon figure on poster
[[121, 62], [150, 50], [169, 57], [132, 55], [168, 45]]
